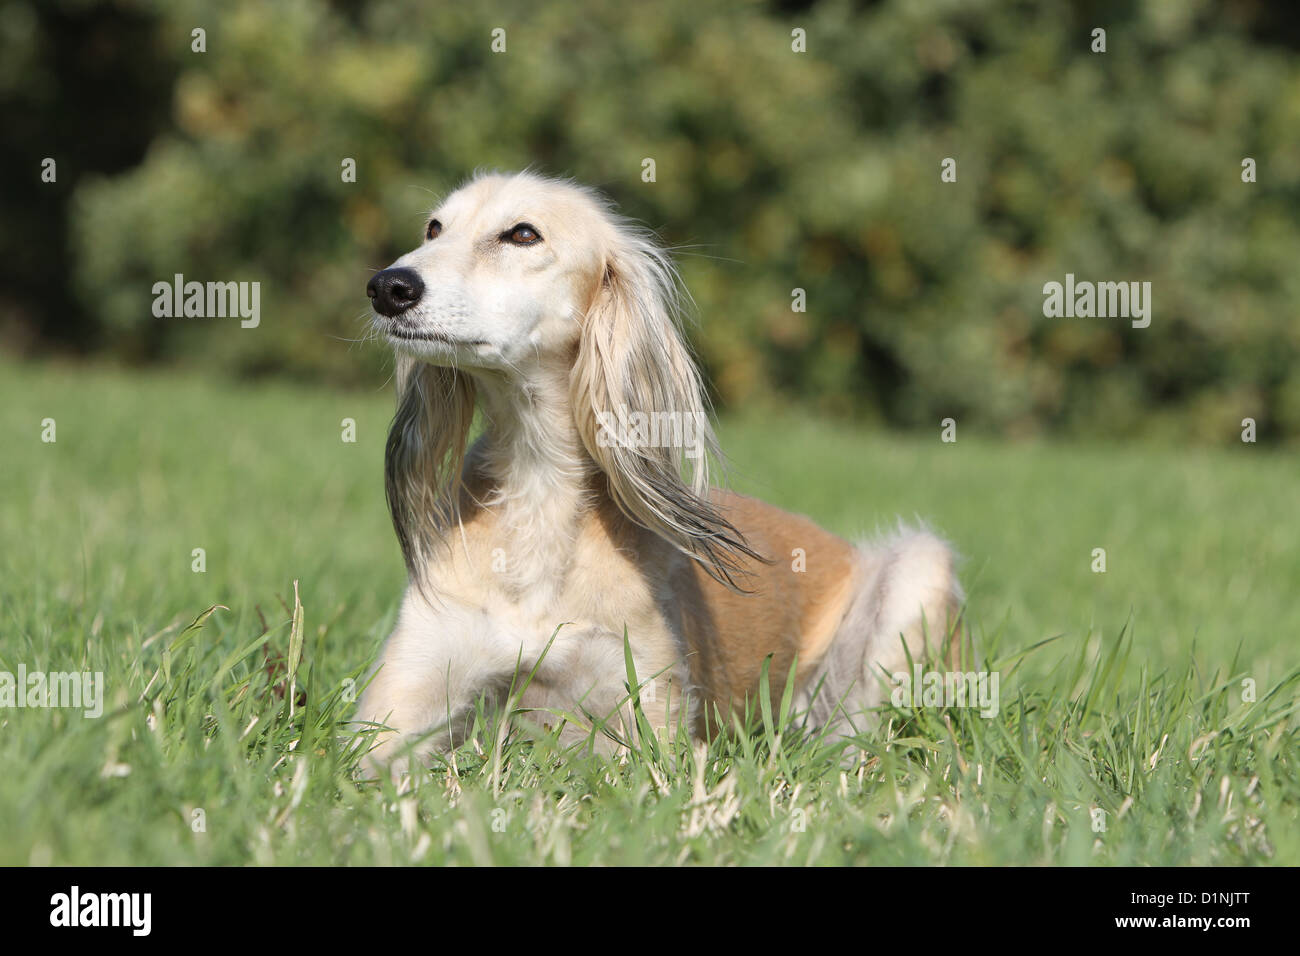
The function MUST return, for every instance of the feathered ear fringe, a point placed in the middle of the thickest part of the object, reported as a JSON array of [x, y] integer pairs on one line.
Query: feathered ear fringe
[[633, 363], [424, 455]]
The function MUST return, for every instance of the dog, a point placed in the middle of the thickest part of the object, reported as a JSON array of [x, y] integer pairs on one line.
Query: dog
[[584, 523]]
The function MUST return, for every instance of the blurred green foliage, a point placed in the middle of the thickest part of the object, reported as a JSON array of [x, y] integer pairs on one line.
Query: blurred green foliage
[[776, 170]]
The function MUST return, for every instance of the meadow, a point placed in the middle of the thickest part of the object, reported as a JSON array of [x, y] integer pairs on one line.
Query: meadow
[[1148, 713]]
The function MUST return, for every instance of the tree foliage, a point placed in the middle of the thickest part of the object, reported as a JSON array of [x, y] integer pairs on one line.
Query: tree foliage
[[775, 170]]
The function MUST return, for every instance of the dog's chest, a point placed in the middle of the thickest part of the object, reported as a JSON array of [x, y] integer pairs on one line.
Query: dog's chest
[[571, 613]]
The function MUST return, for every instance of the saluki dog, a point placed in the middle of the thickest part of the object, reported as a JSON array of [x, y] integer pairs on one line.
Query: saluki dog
[[583, 523]]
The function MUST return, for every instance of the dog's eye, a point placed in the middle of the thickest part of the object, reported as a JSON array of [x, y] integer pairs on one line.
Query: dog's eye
[[522, 235], [434, 230]]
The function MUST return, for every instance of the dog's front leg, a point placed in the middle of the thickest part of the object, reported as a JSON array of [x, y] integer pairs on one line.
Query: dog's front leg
[[429, 674]]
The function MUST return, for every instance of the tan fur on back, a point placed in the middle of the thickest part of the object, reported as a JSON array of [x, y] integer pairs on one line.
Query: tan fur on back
[[783, 611]]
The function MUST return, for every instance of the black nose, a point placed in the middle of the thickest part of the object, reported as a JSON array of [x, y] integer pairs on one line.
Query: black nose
[[394, 290]]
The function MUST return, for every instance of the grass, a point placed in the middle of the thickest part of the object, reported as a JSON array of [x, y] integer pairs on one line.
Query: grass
[[1120, 691]]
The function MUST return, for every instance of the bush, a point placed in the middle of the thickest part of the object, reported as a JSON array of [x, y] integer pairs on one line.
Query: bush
[[776, 170]]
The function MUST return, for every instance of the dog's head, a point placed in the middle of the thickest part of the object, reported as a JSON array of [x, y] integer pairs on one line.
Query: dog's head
[[508, 268], [521, 274]]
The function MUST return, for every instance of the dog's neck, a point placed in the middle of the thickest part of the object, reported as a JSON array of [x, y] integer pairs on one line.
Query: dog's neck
[[538, 472]]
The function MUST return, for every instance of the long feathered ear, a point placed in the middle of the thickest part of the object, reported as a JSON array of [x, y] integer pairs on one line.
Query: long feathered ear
[[641, 411], [423, 456]]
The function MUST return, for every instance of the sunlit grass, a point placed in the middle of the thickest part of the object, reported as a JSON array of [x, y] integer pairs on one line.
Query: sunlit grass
[[1121, 693]]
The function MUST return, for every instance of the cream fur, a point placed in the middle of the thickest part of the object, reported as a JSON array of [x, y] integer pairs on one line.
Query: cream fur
[[546, 523]]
